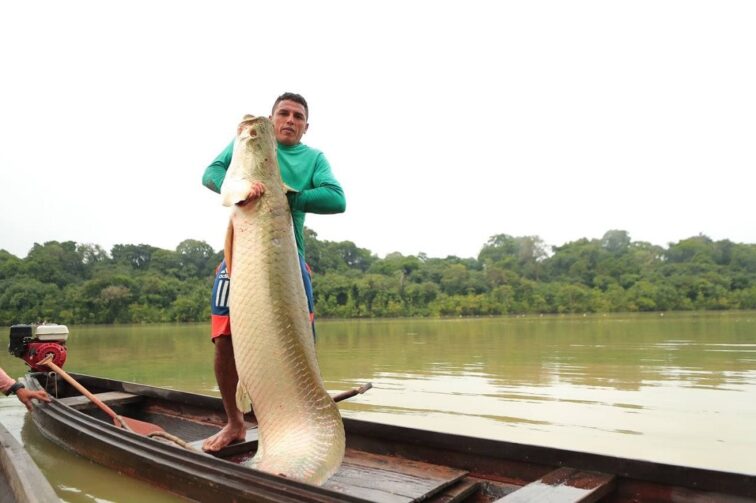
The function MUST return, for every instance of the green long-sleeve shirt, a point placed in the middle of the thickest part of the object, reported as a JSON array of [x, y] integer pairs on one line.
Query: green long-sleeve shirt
[[305, 170]]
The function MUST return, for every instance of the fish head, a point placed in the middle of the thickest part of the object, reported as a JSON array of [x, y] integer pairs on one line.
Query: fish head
[[254, 127], [254, 160], [245, 124], [256, 135]]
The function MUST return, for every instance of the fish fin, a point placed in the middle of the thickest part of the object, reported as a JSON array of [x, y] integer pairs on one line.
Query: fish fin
[[228, 247], [235, 187], [235, 190], [243, 402]]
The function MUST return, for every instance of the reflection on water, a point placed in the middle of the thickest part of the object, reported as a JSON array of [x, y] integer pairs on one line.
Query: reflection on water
[[77, 480], [678, 389]]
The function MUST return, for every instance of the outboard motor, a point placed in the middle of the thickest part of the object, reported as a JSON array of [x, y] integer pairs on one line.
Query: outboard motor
[[33, 343]]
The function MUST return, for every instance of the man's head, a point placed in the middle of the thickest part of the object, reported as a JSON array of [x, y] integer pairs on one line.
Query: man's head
[[289, 118]]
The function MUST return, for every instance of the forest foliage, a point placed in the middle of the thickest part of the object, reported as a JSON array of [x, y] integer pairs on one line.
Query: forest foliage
[[75, 283]]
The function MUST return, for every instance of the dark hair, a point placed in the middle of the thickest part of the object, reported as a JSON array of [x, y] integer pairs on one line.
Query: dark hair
[[296, 98]]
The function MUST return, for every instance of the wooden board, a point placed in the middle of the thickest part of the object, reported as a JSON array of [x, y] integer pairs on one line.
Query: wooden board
[[457, 492], [382, 478], [564, 485], [374, 477]]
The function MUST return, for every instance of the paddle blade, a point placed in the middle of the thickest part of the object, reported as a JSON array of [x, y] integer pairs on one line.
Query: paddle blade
[[137, 426]]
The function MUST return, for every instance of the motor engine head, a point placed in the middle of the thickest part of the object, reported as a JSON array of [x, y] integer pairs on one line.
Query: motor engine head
[[33, 343]]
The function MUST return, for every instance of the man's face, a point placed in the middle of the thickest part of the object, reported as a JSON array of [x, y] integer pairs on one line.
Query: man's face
[[290, 122]]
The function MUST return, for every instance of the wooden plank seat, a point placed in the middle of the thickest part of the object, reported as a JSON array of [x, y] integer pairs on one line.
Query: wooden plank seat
[[564, 485], [376, 477], [111, 398], [382, 478], [460, 491]]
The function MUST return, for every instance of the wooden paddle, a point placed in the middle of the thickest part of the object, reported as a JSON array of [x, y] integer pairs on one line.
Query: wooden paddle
[[127, 423], [352, 392]]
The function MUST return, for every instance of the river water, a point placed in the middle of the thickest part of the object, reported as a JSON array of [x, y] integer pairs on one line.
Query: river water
[[673, 388]]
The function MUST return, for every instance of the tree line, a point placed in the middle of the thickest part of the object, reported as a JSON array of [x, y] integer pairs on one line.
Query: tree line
[[74, 283]]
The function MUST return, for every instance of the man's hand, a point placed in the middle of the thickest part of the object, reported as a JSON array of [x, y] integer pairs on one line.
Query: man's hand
[[256, 192], [26, 396]]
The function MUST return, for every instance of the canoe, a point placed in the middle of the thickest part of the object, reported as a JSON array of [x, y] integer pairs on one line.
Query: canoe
[[20, 478], [383, 463]]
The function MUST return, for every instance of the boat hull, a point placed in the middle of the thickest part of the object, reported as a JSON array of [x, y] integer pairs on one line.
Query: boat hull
[[382, 462], [20, 478]]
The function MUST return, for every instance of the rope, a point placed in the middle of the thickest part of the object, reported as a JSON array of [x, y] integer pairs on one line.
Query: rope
[[124, 424], [172, 438]]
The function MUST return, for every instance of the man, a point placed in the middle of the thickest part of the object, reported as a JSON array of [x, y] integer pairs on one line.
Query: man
[[305, 170], [9, 386]]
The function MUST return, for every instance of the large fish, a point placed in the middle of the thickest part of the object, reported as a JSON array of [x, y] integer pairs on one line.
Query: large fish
[[301, 434]]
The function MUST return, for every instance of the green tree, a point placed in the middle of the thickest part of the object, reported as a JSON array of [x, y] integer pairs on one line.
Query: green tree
[[28, 300], [55, 262], [616, 241], [196, 258], [10, 265], [135, 256], [524, 254]]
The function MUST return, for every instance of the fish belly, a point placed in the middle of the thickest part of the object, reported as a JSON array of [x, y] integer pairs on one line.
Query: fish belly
[[301, 433]]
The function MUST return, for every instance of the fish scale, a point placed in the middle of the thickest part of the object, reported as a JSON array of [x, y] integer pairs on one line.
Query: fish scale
[[301, 433]]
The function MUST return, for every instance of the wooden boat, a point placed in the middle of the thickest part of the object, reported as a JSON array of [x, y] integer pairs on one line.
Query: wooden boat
[[383, 463], [20, 478]]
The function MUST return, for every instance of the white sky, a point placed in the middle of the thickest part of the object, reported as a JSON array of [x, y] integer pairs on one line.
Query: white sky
[[445, 122]]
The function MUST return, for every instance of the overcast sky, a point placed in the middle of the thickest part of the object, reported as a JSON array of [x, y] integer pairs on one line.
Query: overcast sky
[[445, 122]]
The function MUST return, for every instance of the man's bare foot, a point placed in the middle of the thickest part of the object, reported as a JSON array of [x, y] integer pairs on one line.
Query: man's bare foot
[[227, 436]]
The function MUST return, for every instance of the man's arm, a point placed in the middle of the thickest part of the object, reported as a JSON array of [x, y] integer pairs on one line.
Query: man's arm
[[6, 381], [326, 197], [8, 385], [215, 173]]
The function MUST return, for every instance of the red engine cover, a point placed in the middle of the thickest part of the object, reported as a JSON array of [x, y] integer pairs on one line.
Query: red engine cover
[[38, 351]]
